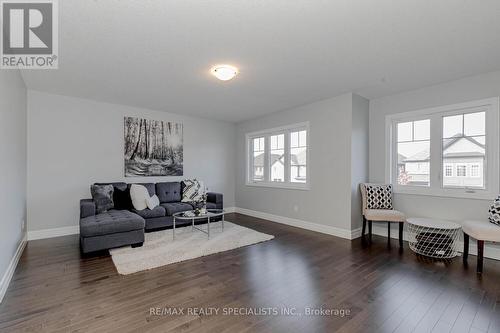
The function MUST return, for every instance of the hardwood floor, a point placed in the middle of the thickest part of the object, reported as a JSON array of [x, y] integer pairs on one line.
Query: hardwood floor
[[385, 290]]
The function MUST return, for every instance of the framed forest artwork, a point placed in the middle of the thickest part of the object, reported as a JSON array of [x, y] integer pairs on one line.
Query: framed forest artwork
[[153, 147]]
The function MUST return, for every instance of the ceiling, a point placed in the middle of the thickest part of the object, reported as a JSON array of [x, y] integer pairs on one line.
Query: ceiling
[[157, 54]]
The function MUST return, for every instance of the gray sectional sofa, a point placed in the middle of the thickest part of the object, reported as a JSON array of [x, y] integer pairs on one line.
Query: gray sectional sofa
[[126, 226]]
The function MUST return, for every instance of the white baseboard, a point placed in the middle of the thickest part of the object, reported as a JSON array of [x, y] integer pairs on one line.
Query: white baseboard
[[356, 233], [4, 283], [55, 232], [230, 209], [325, 229], [491, 252]]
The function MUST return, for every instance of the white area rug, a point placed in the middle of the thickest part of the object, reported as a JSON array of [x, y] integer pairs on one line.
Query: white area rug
[[160, 249]]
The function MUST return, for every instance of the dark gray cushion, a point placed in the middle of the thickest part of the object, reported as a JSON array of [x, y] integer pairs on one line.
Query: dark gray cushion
[[169, 192], [122, 199], [211, 205], [103, 197], [158, 223], [87, 208], [121, 195], [110, 222], [118, 185], [175, 207], [149, 186], [150, 213], [214, 197], [103, 242]]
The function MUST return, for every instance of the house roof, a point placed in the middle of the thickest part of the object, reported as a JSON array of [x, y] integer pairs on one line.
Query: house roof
[[297, 159], [421, 156], [401, 159], [424, 155], [450, 141]]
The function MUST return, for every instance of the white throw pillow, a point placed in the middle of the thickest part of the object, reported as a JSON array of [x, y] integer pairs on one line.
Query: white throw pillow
[[153, 202], [139, 194]]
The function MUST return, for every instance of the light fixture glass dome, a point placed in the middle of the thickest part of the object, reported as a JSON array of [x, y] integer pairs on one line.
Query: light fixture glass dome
[[224, 72]]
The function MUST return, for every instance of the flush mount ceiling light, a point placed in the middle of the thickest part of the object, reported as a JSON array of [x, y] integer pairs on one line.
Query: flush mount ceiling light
[[224, 72]]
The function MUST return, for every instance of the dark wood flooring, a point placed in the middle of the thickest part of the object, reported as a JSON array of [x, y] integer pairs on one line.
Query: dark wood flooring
[[385, 290]]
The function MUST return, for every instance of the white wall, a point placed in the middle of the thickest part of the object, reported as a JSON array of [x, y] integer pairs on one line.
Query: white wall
[[359, 156], [328, 202], [13, 162], [74, 142], [468, 89]]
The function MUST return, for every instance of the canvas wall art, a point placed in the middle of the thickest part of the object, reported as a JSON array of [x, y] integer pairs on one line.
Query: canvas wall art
[[153, 147]]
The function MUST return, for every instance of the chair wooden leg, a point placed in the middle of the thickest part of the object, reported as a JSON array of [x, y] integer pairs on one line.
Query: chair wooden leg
[[401, 226], [466, 247], [480, 252], [389, 233], [370, 230], [364, 227]]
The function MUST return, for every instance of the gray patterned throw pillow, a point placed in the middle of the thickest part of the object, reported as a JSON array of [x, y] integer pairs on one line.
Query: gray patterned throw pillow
[[193, 190], [495, 212], [379, 196], [103, 197]]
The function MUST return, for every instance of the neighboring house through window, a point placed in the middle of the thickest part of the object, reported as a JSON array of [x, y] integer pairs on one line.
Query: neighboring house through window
[[446, 151], [279, 157]]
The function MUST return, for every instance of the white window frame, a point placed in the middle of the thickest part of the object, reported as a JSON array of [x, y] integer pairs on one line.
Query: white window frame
[[287, 184], [436, 114]]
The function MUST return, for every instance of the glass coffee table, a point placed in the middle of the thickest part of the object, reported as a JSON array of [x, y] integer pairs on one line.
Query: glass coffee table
[[191, 215]]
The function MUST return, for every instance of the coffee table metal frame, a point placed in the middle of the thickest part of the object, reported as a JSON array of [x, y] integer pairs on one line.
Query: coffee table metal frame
[[211, 213]]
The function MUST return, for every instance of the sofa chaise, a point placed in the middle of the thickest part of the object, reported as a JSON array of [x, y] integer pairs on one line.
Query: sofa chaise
[[125, 225]]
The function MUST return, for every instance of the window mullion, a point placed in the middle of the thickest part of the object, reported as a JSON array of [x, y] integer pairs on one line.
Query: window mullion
[[395, 154], [287, 156], [251, 163], [436, 162], [267, 158]]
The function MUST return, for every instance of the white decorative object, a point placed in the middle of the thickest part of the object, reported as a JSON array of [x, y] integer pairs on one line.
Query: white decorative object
[[160, 249], [433, 238], [153, 202], [139, 194]]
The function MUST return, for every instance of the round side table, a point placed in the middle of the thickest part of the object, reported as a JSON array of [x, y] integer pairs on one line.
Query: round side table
[[433, 238]]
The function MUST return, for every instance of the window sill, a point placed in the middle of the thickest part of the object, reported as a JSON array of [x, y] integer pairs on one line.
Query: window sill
[[451, 193], [288, 186]]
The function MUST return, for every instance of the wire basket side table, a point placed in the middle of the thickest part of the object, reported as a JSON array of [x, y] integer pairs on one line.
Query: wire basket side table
[[433, 238]]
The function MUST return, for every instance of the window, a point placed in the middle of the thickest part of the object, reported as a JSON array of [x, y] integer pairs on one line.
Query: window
[[474, 170], [413, 151], [258, 145], [445, 151], [464, 142], [298, 156], [279, 157], [448, 170], [277, 162], [461, 170]]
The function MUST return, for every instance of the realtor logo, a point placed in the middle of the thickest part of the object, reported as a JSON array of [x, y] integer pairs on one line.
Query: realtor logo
[[29, 34]]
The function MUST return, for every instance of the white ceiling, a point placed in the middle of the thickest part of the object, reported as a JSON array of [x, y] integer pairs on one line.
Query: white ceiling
[[157, 54]]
